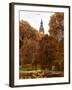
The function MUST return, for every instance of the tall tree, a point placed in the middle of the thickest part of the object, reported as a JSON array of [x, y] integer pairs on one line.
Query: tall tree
[[49, 51], [57, 31], [29, 44], [56, 25]]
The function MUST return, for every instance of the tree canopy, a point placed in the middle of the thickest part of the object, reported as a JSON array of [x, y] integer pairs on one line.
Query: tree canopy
[[45, 50], [56, 25]]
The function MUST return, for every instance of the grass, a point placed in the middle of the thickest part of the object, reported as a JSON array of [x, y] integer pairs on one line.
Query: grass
[[26, 72], [25, 68]]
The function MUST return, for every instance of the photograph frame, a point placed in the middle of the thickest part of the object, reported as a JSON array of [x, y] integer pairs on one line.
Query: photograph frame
[[12, 47]]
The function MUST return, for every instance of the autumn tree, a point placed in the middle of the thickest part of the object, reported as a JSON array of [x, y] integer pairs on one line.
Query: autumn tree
[[49, 51], [28, 51], [56, 25], [27, 31], [56, 30], [61, 53], [29, 44]]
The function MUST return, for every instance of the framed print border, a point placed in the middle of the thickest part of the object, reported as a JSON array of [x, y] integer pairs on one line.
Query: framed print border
[[12, 47]]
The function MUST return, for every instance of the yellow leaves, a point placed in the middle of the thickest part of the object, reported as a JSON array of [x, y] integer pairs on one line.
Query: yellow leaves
[[31, 74]]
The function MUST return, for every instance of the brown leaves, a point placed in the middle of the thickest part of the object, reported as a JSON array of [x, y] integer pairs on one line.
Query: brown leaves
[[29, 40], [43, 50], [57, 26]]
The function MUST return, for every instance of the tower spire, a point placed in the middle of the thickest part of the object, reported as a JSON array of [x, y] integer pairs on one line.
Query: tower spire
[[41, 29]]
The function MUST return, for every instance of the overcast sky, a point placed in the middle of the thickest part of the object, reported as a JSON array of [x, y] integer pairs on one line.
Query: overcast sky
[[34, 18]]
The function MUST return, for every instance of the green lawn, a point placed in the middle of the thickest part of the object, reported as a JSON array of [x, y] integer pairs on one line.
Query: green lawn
[[25, 68]]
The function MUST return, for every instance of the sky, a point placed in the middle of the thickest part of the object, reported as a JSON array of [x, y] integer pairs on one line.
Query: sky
[[34, 18]]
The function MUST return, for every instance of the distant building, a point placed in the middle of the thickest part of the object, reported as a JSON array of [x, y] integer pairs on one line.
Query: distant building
[[41, 29]]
